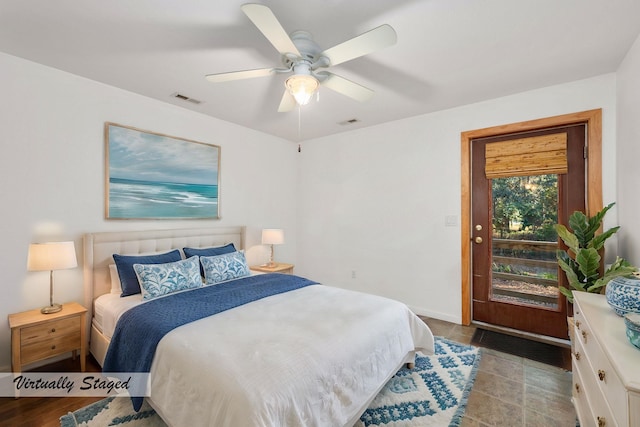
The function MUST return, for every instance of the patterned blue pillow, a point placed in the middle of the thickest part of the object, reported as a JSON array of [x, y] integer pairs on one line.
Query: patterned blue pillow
[[162, 279], [225, 267], [128, 279], [216, 250]]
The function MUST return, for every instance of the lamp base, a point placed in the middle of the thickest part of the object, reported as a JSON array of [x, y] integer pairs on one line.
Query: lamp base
[[53, 308]]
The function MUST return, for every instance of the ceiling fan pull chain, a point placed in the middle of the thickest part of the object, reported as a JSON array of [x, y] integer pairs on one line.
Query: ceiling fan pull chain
[[299, 120]]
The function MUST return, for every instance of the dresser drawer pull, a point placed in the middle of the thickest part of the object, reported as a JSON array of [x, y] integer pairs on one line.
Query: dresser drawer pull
[[584, 336], [577, 354], [601, 374], [53, 330], [53, 347], [577, 388], [602, 422]]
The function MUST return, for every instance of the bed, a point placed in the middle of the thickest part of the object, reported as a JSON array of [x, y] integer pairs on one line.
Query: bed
[[308, 355]]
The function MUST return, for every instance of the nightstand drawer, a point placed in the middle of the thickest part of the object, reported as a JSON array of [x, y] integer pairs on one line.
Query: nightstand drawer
[[49, 331], [37, 336], [44, 349]]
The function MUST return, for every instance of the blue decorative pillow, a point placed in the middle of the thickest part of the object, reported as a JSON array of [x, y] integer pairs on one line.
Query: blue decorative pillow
[[128, 278], [162, 279], [225, 267], [218, 250]]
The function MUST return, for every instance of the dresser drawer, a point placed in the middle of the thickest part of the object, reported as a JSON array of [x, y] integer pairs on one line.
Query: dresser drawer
[[44, 349], [604, 376], [589, 390], [579, 399], [50, 330]]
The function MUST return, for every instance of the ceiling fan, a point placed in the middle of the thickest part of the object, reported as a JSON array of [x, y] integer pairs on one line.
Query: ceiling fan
[[307, 62]]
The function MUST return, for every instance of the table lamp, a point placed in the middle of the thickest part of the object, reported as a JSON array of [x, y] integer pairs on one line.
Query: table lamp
[[51, 256], [272, 236]]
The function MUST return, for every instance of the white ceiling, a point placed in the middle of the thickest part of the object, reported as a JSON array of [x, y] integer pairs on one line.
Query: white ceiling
[[449, 52]]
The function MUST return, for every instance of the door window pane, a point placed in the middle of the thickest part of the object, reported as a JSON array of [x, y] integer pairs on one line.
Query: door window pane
[[524, 243]]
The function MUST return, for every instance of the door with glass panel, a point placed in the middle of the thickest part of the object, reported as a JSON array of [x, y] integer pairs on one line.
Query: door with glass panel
[[523, 184]]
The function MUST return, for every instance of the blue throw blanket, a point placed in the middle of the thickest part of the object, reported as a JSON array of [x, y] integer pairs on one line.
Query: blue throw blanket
[[140, 329]]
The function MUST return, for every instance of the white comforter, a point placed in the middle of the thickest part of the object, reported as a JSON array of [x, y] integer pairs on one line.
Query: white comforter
[[310, 357]]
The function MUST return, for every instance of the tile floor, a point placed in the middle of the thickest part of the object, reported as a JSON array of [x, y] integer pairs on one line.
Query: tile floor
[[510, 390]]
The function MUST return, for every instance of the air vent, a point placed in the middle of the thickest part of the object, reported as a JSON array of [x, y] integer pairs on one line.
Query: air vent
[[186, 98], [349, 122]]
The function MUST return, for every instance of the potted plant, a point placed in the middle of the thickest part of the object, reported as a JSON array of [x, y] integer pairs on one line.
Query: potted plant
[[581, 262]]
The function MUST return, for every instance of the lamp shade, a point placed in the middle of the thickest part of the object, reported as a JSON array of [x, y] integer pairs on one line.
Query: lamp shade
[[51, 256], [302, 87], [272, 236]]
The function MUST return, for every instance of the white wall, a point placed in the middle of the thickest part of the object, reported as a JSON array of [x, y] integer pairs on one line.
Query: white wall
[[628, 172], [374, 201], [52, 175]]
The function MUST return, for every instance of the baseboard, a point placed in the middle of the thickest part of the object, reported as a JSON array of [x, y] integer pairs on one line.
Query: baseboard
[[435, 315]]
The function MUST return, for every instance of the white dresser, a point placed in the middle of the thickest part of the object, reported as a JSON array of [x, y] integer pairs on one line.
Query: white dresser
[[606, 367]]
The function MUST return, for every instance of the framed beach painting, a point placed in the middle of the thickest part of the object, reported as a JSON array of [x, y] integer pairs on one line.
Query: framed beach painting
[[155, 176]]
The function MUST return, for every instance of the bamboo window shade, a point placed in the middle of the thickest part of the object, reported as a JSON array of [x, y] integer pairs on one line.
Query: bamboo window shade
[[536, 155]]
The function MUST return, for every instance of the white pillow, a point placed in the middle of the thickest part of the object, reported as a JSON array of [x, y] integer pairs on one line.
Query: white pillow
[[161, 279], [116, 287]]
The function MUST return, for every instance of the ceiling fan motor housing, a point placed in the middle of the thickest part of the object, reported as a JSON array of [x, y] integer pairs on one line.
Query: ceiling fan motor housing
[[309, 58]]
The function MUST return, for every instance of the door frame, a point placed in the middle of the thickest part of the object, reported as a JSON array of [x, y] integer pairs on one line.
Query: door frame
[[593, 119]]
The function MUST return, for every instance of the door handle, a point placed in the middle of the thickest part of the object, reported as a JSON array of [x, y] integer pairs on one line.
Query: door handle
[[478, 240]]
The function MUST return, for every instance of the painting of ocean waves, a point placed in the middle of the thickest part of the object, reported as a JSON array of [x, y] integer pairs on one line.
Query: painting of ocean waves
[[146, 199], [158, 176]]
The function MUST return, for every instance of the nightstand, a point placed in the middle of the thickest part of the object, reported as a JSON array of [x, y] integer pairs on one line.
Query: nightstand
[[36, 336], [279, 268]]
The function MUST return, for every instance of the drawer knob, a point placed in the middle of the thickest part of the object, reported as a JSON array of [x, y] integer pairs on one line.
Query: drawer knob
[[577, 354], [602, 422], [577, 388], [601, 374], [53, 330], [53, 347]]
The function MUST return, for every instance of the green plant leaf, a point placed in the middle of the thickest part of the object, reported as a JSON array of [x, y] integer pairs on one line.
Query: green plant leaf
[[567, 237], [569, 267], [620, 268], [589, 261], [579, 224], [598, 241], [599, 216], [567, 293]]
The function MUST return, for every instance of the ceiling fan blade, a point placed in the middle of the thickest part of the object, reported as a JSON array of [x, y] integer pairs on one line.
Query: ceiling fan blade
[[287, 103], [238, 75], [263, 18], [371, 41], [347, 87]]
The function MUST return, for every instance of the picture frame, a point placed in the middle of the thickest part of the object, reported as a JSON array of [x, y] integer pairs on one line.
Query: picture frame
[[156, 176]]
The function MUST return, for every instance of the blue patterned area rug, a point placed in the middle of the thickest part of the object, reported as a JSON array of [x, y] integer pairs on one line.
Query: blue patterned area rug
[[433, 393]]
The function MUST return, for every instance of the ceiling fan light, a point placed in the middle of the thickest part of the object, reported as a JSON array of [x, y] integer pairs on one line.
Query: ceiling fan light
[[302, 87]]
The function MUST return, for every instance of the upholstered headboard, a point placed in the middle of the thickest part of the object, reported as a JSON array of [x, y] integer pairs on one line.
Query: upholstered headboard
[[99, 248]]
